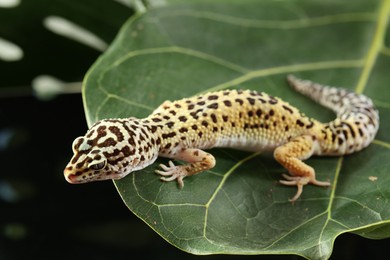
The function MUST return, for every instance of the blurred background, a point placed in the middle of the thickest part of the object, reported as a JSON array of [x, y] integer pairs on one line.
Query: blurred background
[[46, 47]]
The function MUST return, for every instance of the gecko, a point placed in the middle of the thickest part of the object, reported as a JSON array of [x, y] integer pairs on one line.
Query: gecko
[[240, 119]]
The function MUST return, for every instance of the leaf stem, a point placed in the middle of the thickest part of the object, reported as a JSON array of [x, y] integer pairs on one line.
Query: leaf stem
[[376, 44], [139, 6]]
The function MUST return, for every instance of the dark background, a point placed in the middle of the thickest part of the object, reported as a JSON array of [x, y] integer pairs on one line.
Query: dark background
[[41, 215]]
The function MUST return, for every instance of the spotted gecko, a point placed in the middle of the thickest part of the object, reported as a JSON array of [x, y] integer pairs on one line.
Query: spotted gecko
[[240, 119]]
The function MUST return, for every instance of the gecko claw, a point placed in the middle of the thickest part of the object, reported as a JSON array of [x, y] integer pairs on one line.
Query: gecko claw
[[171, 173], [300, 182]]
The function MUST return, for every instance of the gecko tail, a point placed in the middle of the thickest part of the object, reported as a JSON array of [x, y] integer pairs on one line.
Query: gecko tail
[[339, 100], [336, 99], [357, 118]]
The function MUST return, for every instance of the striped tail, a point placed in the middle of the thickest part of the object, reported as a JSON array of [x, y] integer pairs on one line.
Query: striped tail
[[357, 119]]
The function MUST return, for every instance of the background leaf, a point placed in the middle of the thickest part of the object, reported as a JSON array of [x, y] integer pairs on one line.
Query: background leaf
[[180, 50]]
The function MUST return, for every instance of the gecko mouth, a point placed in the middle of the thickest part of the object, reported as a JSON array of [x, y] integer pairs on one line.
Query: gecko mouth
[[72, 178]]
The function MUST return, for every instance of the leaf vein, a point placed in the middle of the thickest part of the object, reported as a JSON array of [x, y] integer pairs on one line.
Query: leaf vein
[[285, 69], [277, 24]]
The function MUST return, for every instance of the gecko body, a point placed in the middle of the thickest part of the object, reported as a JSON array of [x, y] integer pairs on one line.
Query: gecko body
[[240, 119]]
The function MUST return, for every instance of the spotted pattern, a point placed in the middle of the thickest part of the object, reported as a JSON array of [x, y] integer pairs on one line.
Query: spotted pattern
[[242, 119]]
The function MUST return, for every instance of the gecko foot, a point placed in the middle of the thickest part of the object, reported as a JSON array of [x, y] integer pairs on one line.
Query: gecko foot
[[300, 182], [172, 172]]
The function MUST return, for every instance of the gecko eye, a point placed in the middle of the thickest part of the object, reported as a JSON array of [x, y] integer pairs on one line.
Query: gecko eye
[[97, 166]]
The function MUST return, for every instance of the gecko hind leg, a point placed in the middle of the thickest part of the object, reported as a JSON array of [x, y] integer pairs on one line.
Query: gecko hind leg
[[290, 155]]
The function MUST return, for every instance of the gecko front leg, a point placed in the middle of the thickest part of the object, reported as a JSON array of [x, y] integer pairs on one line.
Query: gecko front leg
[[290, 155], [198, 161]]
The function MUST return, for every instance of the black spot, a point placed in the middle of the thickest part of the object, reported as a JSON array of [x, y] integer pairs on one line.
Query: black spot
[[201, 103], [271, 112], [250, 113], [134, 127], [193, 114], [183, 130], [215, 129], [225, 118], [169, 135], [126, 151], [310, 125], [170, 124], [333, 137], [287, 109], [131, 141], [195, 127], [213, 106], [258, 112], [153, 128], [227, 103], [204, 123], [214, 118], [350, 129], [116, 131], [200, 134], [107, 143], [90, 134], [345, 133], [239, 101], [173, 112], [213, 97], [300, 123], [251, 101], [360, 132], [156, 119], [273, 101], [182, 118], [177, 105], [191, 106]]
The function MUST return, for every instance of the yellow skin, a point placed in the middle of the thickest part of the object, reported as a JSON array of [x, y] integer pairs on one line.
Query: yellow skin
[[241, 119]]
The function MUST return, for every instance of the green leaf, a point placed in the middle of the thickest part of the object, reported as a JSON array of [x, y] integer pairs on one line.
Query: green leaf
[[180, 50]]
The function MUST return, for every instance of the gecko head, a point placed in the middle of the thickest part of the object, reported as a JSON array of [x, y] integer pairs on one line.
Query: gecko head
[[104, 153]]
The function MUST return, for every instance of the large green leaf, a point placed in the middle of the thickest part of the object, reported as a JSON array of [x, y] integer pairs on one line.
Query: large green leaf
[[179, 50]]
